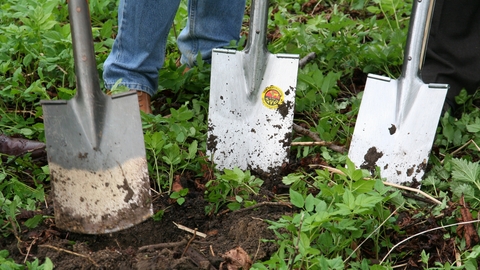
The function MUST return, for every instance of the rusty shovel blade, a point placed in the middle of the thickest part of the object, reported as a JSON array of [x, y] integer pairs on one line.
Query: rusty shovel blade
[[95, 147]]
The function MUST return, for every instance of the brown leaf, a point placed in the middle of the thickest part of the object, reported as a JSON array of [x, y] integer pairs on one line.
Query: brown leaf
[[177, 185], [236, 259], [468, 230]]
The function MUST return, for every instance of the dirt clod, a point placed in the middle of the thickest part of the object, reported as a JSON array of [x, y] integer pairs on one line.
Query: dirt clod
[[371, 158]]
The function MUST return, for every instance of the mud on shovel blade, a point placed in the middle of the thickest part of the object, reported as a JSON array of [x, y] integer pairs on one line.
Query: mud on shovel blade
[[252, 97], [397, 119], [95, 147]]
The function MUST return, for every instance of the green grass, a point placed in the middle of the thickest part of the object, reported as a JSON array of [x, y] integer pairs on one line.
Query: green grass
[[337, 208]]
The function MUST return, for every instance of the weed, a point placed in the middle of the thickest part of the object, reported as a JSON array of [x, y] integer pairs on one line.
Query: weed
[[233, 188], [179, 196], [331, 222]]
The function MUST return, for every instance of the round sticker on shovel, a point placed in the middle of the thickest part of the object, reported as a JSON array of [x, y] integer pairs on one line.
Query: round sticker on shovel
[[272, 97]]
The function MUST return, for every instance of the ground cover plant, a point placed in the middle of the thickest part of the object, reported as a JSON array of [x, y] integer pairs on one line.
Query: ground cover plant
[[317, 212]]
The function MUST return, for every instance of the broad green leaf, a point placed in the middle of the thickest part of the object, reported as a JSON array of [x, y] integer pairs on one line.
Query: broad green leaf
[[309, 202], [292, 178], [296, 198], [475, 127], [34, 221], [464, 170], [363, 186], [349, 199], [234, 206], [48, 264]]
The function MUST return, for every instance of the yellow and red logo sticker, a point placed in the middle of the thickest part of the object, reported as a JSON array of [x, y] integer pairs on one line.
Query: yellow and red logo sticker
[[272, 97]]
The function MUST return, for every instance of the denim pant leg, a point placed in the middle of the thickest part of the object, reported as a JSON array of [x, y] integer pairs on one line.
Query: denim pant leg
[[211, 24], [138, 52]]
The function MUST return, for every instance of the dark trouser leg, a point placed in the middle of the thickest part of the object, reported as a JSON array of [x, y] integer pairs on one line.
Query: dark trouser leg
[[453, 52]]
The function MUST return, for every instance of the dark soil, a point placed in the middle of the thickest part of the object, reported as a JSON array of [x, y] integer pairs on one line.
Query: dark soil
[[153, 244], [162, 245]]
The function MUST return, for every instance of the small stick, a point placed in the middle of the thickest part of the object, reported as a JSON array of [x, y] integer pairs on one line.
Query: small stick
[[15, 233], [365, 240], [478, 148], [304, 61], [258, 249], [459, 149], [189, 242], [315, 137], [211, 251], [323, 143], [414, 190], [163, 245], [426, 231], [28, 250], [307, 132], [181, 227], [62, 70], [71, 252]]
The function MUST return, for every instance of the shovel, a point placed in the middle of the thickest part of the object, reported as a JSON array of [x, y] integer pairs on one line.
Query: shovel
[[95, 147], [252, 97], [397, 119]]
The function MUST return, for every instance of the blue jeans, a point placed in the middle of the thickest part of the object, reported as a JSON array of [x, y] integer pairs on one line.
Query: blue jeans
[[138, 52]]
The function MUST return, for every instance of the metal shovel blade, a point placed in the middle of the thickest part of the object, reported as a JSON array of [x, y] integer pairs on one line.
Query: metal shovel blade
[[252, 97], [397, 119], [400, 149], [95, 147]]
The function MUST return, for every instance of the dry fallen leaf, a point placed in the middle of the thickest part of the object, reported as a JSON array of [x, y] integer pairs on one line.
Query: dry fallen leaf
[[177, 185], [468, 230], [236, 259]]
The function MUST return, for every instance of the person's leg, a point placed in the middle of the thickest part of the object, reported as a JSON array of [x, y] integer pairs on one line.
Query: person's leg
[[211, 24], [453, 54], [138, 52]]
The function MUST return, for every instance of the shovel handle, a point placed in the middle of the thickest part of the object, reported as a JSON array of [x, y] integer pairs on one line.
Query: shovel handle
[[256, 53], [417, 38], [257, 37], [88, 83]]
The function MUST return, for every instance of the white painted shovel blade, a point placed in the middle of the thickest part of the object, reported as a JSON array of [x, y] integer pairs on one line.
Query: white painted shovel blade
[[401, 150], [244, 130]]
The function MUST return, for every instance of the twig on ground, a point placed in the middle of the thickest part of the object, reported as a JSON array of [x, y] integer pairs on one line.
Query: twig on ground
[[71, 252], [163, 245], [189, 242], [211, 251], [334, 170], [181, 227], [322, 143], [258, 249], [316, 138], [426, 231], [413, 190], [461, 147], [15, 233], [28, 250], [304, 61], [365, 240]]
